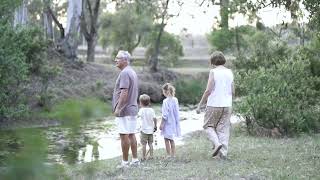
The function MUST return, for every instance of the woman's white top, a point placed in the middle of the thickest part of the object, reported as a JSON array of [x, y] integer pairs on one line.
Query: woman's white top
[[221, 94]]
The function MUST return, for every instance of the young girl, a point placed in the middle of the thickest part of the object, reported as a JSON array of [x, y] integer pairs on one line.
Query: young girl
[[170, 124]]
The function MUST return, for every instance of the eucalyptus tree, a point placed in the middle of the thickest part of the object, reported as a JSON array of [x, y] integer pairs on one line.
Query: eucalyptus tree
[[89, 25], [69, 36]]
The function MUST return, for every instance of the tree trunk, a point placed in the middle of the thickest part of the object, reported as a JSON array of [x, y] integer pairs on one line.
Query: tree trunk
[[91, 44], [69, 45], [238, 41], [21, 14], [155, 56], [47, 24], [47, 20], [224, 13], [89, 29]]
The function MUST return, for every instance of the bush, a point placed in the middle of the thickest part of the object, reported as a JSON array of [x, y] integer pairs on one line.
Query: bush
[[13, 73], [265, 51], [189, 91], [20, 55], [283, 96]]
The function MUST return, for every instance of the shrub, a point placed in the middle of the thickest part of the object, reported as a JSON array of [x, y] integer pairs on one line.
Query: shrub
[[189, 91], [283, 96], [20, 55], [13, 73]]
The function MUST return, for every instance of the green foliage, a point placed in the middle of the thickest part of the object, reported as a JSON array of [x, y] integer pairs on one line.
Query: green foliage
[[6, 9], [21, 54], [126, 28], [73, 111], [33, 46], [265, 51], [190, 91], [282, 96], [231, 39], [13, 72], [170, 48], [221, 39]]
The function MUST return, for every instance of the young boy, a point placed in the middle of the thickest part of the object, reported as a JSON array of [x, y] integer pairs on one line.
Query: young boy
[[148, 124]]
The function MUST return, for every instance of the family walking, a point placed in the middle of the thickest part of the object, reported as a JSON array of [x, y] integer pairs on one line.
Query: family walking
[[217, 97]]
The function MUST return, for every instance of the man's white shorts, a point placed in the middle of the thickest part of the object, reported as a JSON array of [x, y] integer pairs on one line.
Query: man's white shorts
[[127, 124]]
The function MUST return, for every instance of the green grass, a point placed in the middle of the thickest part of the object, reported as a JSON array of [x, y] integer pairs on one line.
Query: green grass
[[78, 110], [249, 158]]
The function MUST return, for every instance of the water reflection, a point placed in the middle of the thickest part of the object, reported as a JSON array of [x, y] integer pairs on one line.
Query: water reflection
[[108, 144], [94, 141]]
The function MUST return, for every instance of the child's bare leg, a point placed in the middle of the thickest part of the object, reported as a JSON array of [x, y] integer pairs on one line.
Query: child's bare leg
[[168, 149], [151, 150], [144, 150], [173, 148]]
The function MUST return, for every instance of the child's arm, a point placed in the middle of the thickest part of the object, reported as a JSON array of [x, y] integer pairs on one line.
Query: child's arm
[[155, 124], [162, 124]]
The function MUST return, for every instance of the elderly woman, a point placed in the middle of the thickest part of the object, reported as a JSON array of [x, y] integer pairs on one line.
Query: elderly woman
[[218, 96]]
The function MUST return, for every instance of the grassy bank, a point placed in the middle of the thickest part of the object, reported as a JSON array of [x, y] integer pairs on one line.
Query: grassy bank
[[249, 158]]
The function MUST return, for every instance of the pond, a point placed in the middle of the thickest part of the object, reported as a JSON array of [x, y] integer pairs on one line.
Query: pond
[[95, 141]]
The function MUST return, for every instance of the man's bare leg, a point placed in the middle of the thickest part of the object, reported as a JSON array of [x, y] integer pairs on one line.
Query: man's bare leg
[[133, 144], [125, 144]]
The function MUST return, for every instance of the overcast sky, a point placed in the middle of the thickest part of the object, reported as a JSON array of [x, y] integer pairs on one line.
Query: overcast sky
[[199, 20]]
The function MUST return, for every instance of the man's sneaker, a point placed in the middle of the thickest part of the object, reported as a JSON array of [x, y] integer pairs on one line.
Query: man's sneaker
[[135, 162], [124, 164]]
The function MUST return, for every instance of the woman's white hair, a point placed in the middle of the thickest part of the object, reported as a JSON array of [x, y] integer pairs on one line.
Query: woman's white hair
[[124, 55]]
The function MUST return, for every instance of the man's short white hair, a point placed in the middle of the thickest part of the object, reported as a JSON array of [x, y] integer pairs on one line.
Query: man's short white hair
[[124, 55]]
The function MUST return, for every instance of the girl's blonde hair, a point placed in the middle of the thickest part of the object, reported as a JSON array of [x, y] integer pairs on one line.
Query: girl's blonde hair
[[169, 89]]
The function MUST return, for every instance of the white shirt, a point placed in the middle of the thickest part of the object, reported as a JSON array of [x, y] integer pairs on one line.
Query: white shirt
[[221, 94], [146, 116]]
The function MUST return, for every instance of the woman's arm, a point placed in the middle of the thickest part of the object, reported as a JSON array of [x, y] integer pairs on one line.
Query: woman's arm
[[207, 92], [233, 91]]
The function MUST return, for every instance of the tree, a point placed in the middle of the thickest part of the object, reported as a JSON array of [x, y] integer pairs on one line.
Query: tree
[[161, 19], [170, 48], [89, 26], [69, 37], [127, 27]]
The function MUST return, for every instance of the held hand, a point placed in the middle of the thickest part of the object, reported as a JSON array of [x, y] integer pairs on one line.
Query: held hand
[[198, 110], [155, 129], [161, 126], [117, 113]]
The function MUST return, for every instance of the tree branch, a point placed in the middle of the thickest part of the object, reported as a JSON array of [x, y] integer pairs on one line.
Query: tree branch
[[138, 42], [56, 21]]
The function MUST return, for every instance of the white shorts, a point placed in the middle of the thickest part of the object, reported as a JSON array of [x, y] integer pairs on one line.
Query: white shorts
[[127, 124]]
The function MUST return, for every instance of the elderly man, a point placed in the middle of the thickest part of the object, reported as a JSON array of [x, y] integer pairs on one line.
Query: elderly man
[[125, 107]]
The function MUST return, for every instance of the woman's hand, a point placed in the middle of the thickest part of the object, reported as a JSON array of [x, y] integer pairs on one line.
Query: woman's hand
[[117, 112]]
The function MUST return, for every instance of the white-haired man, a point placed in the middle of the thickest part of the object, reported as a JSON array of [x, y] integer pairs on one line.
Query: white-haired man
[[125, 107]]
